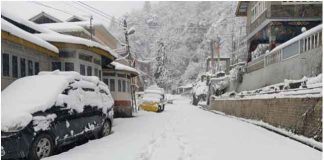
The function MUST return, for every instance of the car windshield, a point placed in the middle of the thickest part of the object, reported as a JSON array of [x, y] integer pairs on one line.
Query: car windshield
[[152, 97]]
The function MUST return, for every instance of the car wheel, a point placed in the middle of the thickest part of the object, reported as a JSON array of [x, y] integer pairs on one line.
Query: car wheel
[[106, 129], [41, 147], [162, 109]]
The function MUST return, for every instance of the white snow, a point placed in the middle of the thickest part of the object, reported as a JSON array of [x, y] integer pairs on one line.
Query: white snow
[[306, 140], [64, 27], [313, 88], [186, 132], [153, 94], [122, 67], [56, 37], [18, 19], [28, 95], [14, 30], [40, 92], [43, 122]]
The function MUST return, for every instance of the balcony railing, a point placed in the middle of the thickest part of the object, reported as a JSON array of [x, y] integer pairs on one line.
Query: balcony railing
[[302, 43]]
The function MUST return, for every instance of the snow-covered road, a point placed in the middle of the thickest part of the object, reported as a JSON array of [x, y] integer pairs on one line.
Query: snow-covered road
[[185, 132]]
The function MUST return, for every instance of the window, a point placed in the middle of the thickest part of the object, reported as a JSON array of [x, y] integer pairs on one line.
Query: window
[[5, 64], [30, 68], [96, 72], [105, 81], [257, 10], [69, 66], [14, 66], [112, 85], [89, 71], [56, 65], [85, 57], [124, 86], [121, 75], [36, 67], [97, 61], [82, 69], [22, 67], [66, 54], [109, 74], [100, 74], [119, 85]]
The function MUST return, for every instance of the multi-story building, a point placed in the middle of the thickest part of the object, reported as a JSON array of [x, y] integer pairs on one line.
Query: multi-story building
[[270, 23], [283, 41], [22, 52]]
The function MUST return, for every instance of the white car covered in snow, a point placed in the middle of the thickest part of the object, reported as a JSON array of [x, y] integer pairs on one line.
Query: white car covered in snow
[[44, 112]]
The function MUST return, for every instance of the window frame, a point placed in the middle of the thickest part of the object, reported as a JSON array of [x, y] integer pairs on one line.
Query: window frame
[[5, 73]]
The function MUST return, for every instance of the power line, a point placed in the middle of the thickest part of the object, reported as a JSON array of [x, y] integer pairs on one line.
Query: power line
[[97, 11], [52, 8]]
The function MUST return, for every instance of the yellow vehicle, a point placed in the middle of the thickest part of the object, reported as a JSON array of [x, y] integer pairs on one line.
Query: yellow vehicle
[[153, 99]]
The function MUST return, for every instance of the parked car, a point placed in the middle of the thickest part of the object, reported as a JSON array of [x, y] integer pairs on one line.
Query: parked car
[[44, 112], [153, 99]]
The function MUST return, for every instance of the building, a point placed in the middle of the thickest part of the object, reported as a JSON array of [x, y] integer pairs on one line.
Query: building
[[283, 41], [271, 23], [22, 52], [40, 48], [120, 79]]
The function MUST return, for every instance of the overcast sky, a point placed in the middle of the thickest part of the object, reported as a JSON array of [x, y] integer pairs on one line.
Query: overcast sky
[[28, 9]]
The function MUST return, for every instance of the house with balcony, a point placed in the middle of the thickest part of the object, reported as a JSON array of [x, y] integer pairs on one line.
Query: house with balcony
[[283, 41]]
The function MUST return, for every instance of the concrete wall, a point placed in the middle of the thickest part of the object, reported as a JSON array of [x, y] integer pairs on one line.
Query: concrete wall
[[299, 115], [305, 64], [20, 51]]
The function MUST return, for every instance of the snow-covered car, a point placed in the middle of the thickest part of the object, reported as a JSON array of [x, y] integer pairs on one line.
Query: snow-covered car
[[44, 112], [209, 84], [153, 99]]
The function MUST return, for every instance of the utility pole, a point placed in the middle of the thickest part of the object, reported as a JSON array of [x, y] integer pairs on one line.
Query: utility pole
[[212, 56], [217, 50], [130, 59], [91, 18]]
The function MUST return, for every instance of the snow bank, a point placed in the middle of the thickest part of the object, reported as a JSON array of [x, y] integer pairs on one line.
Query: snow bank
[[56, 37], [30, 94], [12, 29], [309, 87], [122, 67]]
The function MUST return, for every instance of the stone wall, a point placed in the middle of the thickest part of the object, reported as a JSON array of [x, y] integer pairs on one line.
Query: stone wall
[[302, 116]]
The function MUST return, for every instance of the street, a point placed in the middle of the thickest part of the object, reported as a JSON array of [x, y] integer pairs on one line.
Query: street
[[186, 132]]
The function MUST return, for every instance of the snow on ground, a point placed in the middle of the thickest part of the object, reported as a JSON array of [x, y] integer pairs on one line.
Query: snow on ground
[[185, 132]]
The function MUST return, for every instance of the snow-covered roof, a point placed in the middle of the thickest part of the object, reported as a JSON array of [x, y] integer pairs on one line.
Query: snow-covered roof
[[14, 30], [122, 67], [64, 27], [56, 37], [28, 95], [27, 23]]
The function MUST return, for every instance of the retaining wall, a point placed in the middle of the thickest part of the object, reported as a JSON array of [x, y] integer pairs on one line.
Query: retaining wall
[[302, 116]]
